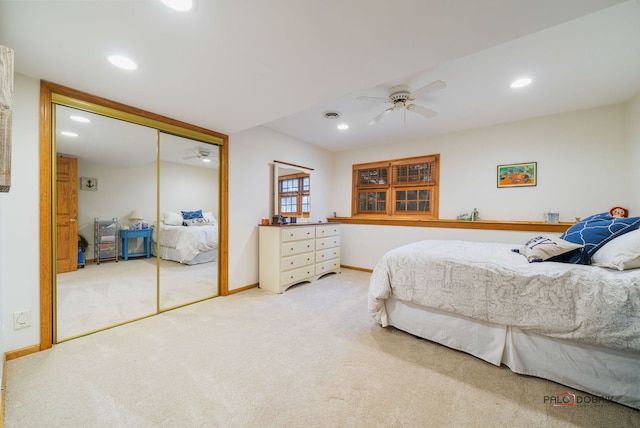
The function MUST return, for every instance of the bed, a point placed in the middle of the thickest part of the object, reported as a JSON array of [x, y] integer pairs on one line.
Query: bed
[[186, 240], [575, 324]]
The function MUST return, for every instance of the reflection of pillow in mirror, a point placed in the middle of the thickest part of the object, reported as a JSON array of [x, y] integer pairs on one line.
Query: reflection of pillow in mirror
[[196, 222], [209, 216], [621, 253], [188, 215], [172, 219]]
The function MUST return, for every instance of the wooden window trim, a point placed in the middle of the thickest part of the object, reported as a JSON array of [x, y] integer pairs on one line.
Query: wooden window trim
[[390, 186], [299, 194]]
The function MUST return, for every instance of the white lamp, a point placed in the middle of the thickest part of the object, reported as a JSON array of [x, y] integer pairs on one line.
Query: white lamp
[[136, 219]]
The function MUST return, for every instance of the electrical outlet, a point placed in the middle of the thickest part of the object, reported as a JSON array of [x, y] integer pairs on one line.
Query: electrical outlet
[[21, 319]]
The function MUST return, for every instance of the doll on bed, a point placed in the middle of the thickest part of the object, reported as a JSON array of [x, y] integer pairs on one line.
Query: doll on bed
[[619, 212]]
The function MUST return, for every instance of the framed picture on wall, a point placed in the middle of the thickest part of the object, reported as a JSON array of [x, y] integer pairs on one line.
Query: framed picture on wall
[[88, 183], [518, 174]]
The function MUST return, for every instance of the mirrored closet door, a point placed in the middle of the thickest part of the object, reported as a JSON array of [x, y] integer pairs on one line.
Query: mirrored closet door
[[188, 231], [106, 185], [137, 211]]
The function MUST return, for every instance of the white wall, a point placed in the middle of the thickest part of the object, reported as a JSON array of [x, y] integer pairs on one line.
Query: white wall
[[634, 157], [20, 219], [583, 169], [251, 155], [578, 154]]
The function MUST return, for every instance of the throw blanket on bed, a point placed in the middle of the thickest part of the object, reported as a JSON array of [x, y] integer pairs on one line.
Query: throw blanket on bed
[[489, 282]]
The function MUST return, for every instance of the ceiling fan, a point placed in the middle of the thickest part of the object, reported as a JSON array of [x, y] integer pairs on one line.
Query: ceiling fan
[[400, 95], [203, 154]]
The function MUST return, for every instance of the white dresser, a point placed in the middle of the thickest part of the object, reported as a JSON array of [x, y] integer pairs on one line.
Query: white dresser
[[294, 253]]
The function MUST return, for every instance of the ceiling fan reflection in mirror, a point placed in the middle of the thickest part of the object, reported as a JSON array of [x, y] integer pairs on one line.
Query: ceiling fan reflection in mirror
[[399, 97], [203, 154]]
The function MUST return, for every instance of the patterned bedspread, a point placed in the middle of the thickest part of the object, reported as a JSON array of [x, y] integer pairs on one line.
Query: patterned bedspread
[[489, 282], [189, 241]]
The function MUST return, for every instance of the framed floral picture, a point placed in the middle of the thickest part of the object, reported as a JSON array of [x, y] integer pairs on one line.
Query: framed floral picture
[[518, 174]]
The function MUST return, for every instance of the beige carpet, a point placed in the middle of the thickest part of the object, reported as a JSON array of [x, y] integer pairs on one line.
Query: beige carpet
[[310, 357], [99, 296]]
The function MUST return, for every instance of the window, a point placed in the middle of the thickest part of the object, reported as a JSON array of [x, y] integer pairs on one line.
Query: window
[[405, 188], [293, 195]]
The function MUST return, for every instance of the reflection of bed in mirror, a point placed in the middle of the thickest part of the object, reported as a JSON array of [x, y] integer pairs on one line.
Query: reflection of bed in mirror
[[190, 241]]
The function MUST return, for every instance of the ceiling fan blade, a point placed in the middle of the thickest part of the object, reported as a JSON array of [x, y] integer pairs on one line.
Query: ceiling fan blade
[[431, 87], [380, 116], [365, 98], [423, 111]]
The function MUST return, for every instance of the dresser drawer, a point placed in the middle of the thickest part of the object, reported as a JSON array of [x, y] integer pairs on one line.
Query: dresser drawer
[[328, 254], [328, 266], [293, 262], [297, 247], [322, 231], [296, 275], [296, 233], [330, 242]]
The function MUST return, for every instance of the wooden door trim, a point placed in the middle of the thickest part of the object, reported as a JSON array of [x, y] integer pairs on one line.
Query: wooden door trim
[[47, 89], [46, 219]]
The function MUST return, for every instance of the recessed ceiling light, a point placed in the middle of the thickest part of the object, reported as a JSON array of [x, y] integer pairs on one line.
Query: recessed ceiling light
[[122, 62], [179, 5], [80, 119], [206, 160], [69, 134], [343, 126], [519, 83]]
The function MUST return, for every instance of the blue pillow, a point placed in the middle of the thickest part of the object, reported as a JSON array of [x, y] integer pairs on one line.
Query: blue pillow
[[189, 215], [595, 231]]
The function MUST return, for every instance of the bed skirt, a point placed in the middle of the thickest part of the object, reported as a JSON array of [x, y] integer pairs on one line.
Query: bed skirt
[[609, 373], [168, 253]]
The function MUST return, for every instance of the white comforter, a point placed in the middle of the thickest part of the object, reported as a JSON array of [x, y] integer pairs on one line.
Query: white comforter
[[189, 241], [489, 282]]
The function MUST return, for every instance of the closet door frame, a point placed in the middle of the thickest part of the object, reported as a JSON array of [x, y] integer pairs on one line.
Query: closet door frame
[[50, 92]]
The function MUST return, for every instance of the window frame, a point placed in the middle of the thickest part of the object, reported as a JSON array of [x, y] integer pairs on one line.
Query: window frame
[[390, 186], [299, 194]]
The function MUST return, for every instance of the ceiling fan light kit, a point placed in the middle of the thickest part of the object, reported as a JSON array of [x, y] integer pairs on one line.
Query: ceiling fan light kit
[[400, 95], [203, 154]]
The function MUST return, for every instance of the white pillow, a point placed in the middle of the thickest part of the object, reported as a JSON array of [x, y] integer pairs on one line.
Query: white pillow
[[543, 248], [172, 219], [209, 216], [621, 253]]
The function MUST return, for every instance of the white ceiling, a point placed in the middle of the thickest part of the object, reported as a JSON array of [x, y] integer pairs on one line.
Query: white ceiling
[[232, 65], [121, 144]]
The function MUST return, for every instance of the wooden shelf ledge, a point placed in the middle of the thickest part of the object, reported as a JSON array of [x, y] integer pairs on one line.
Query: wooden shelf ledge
[[524, 226]]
